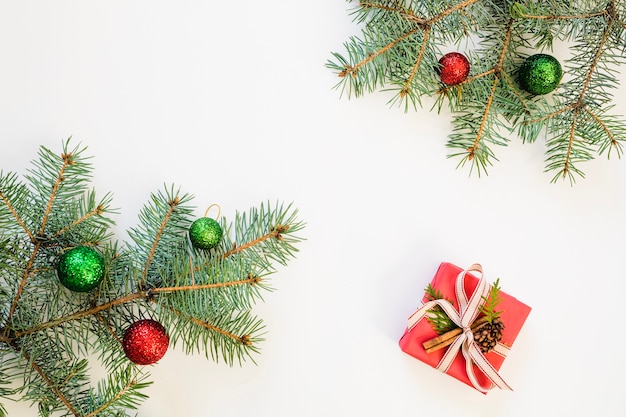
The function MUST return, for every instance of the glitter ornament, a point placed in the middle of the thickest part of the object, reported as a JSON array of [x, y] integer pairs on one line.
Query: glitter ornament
[[145, 342], [81, 269], [453, 68], [540, 74], [205, 233]]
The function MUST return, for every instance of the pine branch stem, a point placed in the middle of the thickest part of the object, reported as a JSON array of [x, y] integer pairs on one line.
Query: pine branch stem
[[67, 160], [497, 71], [483, 122], [107, 404], [275, 233], [553, 114], [417, 63], [412, 17], [609, 13], [249, 280], [109, 328], [406, 13], [564, 17], [53, 387], [445, 89], [594, 64], [570, 145], [603, 125], [172, 206], [128, 299], [17, 217], [580, 102], [451, 10], [97, 211], [516, 92], [245, 339], [20, 288], [352, 70]]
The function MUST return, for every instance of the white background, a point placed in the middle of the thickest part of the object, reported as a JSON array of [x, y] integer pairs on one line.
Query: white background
[[231, 101]]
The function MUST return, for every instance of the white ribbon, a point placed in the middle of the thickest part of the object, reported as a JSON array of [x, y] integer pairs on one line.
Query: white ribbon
[[469, 308]]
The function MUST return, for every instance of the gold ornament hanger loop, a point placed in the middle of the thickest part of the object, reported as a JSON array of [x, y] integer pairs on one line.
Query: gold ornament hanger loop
[[210, 207]]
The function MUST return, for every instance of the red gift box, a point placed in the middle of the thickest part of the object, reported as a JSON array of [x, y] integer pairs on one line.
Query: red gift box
[[450, 280]]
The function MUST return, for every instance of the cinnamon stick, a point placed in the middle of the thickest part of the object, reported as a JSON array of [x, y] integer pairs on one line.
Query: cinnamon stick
[[447, 338]]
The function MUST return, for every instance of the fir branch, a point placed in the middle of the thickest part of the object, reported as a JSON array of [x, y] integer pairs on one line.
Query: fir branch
[[26, 274], [437, 317], [351, 70], [275, 233], [249, 280], [243, 339], [476, 124], [399, 50], [215, 281], [612, 130], [55, 388], [204, 297], [12, 191], [267, 234], [231, 335], [90, 215], [128, 299], [56, 178], [491, 302], [172, 203], [525, 11], [158, 234], [120, 391]]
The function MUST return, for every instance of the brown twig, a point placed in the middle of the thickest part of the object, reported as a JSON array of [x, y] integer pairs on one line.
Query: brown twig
[[127, 299], [112, 400], [417, 63], [352, 70], [274, 233], [172, 204], [67, 160], [497, 70], [53, 387], [95, 212], [245, 339], [19, 220]]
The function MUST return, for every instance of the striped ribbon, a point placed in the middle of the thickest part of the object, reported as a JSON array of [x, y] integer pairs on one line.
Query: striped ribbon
[[469, 308]]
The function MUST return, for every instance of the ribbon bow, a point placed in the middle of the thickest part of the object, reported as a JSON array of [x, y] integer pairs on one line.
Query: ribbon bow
[[469, 308]]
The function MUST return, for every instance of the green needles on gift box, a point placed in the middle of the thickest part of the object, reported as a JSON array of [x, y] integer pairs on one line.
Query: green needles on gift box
[[437, 317]]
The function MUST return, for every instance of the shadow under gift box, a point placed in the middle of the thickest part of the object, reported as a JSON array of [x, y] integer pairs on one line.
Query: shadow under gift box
[[513, 315]]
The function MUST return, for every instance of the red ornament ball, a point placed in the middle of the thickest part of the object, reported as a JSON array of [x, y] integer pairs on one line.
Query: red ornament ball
[[453, 68], [145, 342]]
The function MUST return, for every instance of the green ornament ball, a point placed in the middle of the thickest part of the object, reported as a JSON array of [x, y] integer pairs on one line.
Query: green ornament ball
[[81, 269], [205, 233], [540, 74]]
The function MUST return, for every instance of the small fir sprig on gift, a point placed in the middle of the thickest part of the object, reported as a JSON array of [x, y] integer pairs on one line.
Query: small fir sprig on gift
[[491, 301], [437, 318]]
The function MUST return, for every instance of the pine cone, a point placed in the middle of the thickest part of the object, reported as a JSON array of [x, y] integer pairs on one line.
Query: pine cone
[[489, 334]]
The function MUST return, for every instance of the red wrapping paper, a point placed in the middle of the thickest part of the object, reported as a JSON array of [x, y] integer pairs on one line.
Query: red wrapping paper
[[513, 314]]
